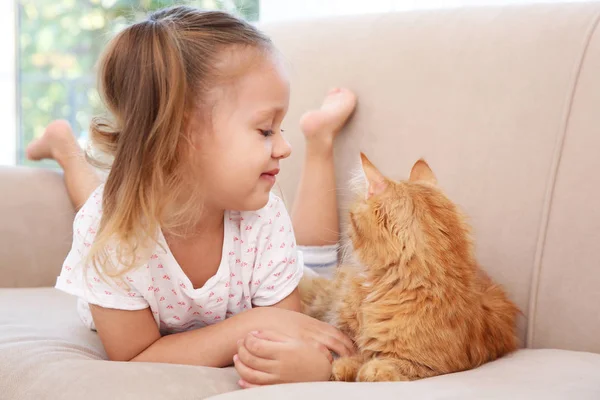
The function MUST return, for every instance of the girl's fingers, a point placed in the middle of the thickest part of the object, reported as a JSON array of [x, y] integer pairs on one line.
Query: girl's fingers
[[348, 343], [323, 349], [250, 375], [245, 385], [271, 335], [262, 348], [337, 341], [334, 345], [255, 362]]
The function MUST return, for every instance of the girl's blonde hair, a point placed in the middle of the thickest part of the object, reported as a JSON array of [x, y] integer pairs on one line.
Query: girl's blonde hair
[[152, 76]]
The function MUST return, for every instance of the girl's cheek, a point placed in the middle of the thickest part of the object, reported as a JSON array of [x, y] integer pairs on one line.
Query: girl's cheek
[[269, 145]]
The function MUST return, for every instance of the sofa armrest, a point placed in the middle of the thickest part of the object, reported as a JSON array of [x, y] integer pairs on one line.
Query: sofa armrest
[[36, 226]]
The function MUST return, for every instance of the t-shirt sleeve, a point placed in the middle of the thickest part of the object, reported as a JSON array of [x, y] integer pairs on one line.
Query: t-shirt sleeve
[[279, 265], [79, 278]]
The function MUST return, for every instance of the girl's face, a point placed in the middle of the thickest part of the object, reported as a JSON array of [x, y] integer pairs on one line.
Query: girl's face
[[238, 160]]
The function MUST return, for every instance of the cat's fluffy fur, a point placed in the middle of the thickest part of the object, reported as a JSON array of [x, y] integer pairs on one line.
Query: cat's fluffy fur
[[416, 302]]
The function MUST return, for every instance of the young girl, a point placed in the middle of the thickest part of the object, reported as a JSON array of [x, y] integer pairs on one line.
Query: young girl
[[183, 255]]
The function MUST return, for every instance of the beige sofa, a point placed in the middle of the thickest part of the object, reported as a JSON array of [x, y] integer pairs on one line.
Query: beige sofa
[[505, 105]]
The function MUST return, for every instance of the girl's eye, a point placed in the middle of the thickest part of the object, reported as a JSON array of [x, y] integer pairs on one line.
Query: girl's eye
[[266, 133]]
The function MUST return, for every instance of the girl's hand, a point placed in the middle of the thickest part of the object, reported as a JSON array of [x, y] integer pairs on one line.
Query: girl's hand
[[300, 326], [270, 357]]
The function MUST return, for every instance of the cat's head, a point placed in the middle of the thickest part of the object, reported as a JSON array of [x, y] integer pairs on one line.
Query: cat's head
[[394, 223]]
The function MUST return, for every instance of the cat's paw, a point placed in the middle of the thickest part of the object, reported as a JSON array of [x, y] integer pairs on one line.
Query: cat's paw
[[377, 370], [344, 369]]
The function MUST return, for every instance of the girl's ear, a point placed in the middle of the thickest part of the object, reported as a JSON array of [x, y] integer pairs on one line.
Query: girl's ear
[[192, 129]]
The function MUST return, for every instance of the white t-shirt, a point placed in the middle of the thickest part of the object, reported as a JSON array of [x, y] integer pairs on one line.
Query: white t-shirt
[[260, 266]]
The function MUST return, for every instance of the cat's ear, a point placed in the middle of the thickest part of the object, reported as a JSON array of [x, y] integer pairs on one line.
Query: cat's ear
[[376, 180], [422, 173]]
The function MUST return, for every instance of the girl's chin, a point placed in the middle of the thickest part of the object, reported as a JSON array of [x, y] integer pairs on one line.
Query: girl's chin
[[256, 201]]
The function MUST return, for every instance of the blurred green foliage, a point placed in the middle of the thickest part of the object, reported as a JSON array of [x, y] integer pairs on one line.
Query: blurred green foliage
[[59, 42]]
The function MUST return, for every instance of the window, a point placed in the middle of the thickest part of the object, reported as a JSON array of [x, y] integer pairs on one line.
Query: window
[[58, 44], [8, 113]]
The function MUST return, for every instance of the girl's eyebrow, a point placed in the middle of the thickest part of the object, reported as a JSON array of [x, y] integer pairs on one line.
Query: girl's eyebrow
[[269, 112]]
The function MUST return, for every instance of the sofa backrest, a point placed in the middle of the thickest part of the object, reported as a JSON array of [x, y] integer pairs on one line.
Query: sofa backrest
[[36, 222], [504, 103]]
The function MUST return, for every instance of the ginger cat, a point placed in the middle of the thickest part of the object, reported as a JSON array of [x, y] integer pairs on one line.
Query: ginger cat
[[416, 303]]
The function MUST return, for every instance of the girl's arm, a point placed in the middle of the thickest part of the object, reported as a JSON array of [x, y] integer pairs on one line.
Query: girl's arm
[[134, 336], [292, 302], [211, 346]]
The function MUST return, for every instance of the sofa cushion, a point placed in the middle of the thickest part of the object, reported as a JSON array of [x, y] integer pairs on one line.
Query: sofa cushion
[[526, 374], [45, 350]]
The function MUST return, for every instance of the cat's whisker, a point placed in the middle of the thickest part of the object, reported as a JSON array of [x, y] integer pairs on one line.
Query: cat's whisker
[[345, 251]]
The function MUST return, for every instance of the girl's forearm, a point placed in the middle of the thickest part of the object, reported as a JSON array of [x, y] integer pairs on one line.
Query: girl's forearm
[[211, 346]]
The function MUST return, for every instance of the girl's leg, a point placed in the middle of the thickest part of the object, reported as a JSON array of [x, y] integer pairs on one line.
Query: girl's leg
[[314, 214], [59, 143]]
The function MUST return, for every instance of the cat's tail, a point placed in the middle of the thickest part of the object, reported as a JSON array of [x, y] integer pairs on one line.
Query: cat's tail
[[316, 295], [501, 320]]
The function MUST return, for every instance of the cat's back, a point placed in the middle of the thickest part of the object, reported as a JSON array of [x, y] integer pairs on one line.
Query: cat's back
[[500, 318]]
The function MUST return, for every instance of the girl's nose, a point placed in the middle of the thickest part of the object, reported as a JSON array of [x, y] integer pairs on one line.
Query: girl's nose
[[282, 148]]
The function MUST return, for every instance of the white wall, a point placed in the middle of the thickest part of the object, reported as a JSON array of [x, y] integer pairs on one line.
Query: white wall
[[8, 111]]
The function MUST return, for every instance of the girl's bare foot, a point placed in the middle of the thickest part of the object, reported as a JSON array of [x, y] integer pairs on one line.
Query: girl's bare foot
[[324, 124], [57, 142]]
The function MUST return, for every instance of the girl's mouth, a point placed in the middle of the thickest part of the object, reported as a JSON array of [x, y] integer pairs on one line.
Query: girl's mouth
[[270, 176]]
